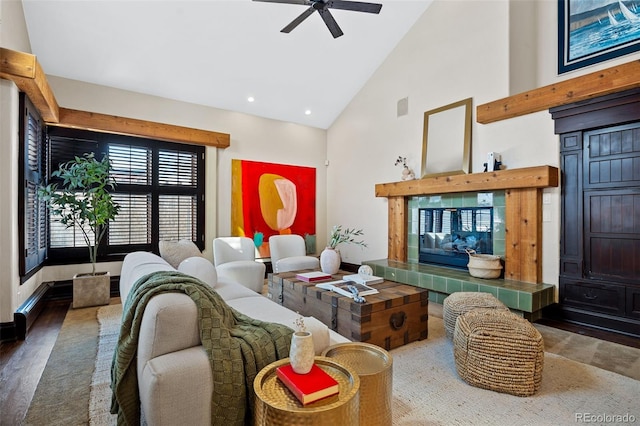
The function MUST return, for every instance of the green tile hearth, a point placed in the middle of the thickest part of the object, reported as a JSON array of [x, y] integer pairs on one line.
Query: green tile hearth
[[518, 296]]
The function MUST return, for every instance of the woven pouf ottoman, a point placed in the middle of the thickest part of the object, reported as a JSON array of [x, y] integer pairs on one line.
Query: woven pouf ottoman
[[461, 302], [498, 350]]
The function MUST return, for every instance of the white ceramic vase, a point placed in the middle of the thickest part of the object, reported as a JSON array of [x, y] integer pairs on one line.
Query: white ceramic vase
[[301, 353], [330, 260]]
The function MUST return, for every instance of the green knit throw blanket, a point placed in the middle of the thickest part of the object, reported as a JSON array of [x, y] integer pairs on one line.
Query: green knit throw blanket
[[238, 347]]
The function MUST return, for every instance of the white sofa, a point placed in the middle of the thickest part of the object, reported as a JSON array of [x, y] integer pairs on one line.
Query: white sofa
[[174, 375]]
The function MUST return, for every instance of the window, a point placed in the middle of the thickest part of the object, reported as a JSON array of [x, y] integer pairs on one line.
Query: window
[[32, 211], [159, 187]]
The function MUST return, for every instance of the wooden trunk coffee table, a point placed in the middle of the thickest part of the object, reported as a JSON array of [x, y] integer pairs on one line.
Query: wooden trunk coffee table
[[397, 315]]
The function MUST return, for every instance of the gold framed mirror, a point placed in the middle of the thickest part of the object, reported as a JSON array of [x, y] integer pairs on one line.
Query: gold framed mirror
[[446, 141]]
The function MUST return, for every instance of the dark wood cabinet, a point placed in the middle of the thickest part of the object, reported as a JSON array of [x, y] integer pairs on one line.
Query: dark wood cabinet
[[600, 211]]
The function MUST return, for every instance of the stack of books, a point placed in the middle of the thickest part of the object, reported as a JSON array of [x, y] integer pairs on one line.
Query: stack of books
[[363, 279], [342, 287], [311, 277], [310, 387]]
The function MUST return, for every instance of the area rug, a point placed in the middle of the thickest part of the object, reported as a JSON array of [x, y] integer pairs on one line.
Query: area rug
[[428, 391], [109, 318], [62, 395]]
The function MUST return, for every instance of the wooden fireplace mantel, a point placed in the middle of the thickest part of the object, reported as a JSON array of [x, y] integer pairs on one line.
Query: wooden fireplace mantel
[[523, 198], [528, 177]]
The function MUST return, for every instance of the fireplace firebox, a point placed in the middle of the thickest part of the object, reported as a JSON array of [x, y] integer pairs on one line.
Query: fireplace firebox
[[445, 234]]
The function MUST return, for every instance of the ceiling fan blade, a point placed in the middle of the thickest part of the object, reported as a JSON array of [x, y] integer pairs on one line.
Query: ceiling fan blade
[[302, 2], [331, 23], [304, 15], [354, 5]]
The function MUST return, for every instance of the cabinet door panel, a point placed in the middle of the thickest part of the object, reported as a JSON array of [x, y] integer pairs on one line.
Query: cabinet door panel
[[633, 302], [571, 247], [612, 234], [607, 298]]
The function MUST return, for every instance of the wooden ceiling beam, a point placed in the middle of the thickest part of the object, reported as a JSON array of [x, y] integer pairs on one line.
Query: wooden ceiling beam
[[134, 127], [25, 71], [615, 79]]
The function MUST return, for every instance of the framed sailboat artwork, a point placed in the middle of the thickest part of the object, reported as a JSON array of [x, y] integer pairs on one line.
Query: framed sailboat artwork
[[590, 32]]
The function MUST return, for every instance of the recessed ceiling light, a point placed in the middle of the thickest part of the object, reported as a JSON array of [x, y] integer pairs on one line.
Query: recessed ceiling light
[[307, 112], [251, 99]]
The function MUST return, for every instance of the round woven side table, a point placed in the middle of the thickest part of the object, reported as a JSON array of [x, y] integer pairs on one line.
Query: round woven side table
[[374, 366], [276, 405]]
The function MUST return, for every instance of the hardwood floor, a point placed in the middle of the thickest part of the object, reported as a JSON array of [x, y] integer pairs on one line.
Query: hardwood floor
[[593, 332], [22, 362]]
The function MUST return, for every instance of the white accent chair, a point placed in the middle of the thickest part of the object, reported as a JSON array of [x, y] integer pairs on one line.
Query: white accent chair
[[235, 258], [288, 253]]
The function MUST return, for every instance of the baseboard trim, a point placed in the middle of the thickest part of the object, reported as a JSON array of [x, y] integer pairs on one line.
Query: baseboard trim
[[624, 326], [27, 313]]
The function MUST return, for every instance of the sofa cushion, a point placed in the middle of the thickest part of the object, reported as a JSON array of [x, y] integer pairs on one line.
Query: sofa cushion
[[175, 251], [200, 268], [135, 266], [264, 309], [174, 385], [230, 289]]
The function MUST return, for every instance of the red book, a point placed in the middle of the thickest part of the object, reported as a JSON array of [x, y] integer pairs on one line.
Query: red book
[[310, 387], [314, 276]]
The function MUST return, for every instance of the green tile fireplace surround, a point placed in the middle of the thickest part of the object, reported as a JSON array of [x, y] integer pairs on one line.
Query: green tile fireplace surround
[[525, 299]]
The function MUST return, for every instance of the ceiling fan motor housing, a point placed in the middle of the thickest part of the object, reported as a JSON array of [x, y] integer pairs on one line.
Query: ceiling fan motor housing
[[322, 7]]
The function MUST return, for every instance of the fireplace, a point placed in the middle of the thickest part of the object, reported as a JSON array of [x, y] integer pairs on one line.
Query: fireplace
[[446, 234]]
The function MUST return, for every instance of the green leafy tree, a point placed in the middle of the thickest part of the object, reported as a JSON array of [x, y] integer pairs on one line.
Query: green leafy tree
[[84, 199]]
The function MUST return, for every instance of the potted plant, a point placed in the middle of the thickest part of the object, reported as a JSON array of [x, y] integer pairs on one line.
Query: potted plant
[[330, 257], [84, 201]]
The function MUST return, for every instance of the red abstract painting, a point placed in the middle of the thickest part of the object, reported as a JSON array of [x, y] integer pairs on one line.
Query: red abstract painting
[[271, 199]]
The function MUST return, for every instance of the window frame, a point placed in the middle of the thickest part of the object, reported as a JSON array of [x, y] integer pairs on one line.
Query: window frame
[[106, 251]]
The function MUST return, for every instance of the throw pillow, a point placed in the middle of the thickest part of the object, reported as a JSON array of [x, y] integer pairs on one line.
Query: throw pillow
[[175, 251], [200, 268]]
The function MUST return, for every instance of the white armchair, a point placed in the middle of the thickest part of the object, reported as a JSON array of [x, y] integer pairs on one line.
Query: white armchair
[[235, 258], [288, 253]]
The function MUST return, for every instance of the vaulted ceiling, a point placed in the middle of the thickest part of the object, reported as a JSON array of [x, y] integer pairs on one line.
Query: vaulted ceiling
[[219, 53]]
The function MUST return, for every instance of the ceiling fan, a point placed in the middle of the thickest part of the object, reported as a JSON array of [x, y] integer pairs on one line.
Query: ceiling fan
[[323, 6]]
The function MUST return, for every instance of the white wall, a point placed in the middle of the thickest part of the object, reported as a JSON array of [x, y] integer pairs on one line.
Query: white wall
[[450, 54], [13, 35], [457, 49]]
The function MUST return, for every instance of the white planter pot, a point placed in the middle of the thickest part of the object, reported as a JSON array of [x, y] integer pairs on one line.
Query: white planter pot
[[301, 353], [91, 290], [330, 260]]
